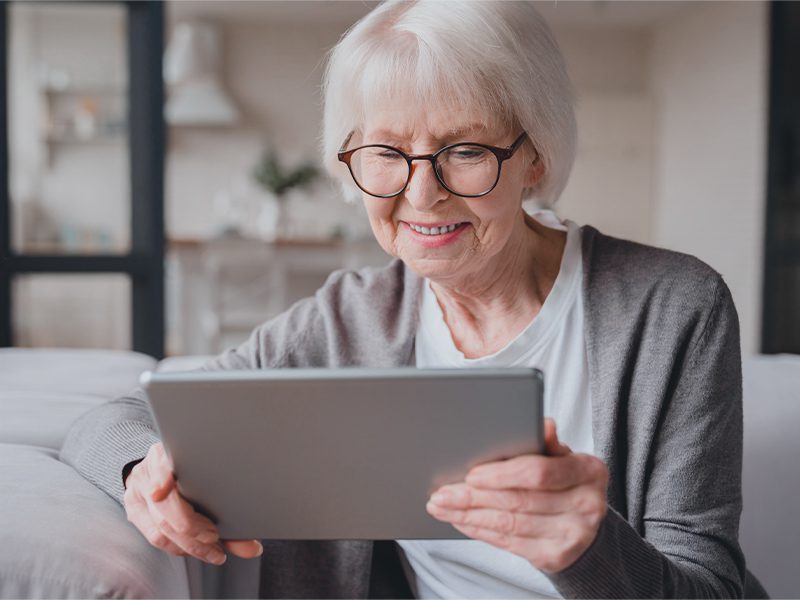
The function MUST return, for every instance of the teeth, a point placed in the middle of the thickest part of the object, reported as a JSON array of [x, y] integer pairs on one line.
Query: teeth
[[434, 230]]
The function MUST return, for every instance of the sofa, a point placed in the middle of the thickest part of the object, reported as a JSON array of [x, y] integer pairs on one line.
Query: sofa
[[64, 538], [60, 536]]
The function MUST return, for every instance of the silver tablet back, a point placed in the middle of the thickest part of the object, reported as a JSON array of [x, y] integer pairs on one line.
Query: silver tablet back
[[338, 453]]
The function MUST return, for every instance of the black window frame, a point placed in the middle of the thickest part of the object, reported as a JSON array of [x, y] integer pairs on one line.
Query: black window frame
[[144, 263]]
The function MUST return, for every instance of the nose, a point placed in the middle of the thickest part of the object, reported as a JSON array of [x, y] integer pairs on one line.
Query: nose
[[424, 190]]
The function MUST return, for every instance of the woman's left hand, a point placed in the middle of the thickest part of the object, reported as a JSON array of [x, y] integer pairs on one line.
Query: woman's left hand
[[545, 508]]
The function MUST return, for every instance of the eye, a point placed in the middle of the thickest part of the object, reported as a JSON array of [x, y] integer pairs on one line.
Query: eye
[[467, 154], [378, 155]]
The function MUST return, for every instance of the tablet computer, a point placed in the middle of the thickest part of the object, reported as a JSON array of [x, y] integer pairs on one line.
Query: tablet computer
[[348, 453]]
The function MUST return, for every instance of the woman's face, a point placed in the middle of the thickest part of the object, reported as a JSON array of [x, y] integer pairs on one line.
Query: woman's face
[[485, 226]]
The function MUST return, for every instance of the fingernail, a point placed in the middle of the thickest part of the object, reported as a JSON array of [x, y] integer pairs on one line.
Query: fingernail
[[440, 498], [218, 558], [260, 549], [434, 509]]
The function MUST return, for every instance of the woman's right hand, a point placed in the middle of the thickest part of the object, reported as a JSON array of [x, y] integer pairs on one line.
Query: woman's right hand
[[168, 521]]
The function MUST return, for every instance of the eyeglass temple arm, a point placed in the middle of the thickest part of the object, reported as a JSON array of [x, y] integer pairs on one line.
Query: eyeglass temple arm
[[518, 142], [346, 141]]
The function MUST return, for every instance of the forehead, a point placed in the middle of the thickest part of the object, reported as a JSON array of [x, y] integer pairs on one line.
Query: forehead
[[410, 120]]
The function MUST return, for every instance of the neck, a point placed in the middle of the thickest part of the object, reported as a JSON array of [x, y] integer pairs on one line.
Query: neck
[[495, 303]]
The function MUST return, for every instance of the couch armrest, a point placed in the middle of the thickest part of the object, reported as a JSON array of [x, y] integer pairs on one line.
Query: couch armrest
[[63, 537]]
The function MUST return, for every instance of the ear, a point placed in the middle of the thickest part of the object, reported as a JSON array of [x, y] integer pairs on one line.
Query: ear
[[534, 171]]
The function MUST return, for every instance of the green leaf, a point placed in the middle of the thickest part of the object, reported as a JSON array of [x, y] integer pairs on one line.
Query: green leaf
[[271, 175]]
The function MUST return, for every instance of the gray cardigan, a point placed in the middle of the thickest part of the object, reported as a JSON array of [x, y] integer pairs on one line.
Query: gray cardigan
[[662, 342]]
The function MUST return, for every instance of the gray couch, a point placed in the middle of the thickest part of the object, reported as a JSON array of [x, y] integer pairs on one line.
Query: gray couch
[[60, 536], [63, 537]]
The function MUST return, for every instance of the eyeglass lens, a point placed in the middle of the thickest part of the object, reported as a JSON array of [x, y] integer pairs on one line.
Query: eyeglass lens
[[465, 169]]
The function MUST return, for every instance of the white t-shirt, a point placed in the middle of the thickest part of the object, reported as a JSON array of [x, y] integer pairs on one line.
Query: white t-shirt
[[554, 342]]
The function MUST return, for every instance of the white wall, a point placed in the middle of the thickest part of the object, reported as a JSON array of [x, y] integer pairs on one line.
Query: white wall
[[610, 186], [709, 78], [273, 73]]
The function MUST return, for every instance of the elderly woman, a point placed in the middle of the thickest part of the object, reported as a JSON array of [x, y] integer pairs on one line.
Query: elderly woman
[[444, 118]]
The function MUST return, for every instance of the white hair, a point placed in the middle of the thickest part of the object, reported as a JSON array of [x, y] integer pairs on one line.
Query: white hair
[[499, 60]]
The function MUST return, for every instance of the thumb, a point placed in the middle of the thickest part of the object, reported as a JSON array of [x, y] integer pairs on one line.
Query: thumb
[[161, 488], [162, 479], [244, 548], [552, 446]]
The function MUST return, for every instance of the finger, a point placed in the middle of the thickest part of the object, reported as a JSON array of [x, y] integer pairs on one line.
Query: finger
[[213, 553], [162, 487], [463, 496], [181, 517], [552, 445], [503, 522], [537, 472], [485, 535], [244, 548], [139, 516], [161, 475], [537, 552], [156, 480], [204, 546]]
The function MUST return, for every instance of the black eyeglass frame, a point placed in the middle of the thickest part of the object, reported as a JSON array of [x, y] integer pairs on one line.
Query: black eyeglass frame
[[501, 154]]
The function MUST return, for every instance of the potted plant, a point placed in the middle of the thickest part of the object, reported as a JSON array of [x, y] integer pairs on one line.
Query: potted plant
[[277, 180]]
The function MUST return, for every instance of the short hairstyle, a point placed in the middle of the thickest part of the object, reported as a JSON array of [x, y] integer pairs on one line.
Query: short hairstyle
[[498, 59]]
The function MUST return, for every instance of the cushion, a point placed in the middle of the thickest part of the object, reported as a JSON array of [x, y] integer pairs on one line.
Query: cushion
[[40, 418], [42, 391], [103, 373], [64, 538], [183, 363]]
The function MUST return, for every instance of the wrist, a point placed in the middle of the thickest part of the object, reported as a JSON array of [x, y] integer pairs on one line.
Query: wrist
[[126, 470]]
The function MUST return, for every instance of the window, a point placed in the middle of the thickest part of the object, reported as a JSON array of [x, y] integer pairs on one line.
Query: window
[[82, 171]]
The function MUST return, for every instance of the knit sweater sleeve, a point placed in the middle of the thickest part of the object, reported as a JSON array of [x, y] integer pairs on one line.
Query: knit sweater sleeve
[[689, 547]]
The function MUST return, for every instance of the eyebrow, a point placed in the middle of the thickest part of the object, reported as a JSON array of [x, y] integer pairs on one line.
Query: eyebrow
[[471, 128], [451, 134]]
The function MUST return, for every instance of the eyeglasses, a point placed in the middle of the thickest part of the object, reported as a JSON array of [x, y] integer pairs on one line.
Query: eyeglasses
[[466, 169]]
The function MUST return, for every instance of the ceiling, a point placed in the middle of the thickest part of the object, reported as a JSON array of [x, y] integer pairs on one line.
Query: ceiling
[[559, 13]]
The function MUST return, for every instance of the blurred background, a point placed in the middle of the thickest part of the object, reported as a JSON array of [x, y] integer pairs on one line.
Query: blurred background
[[161, 188]]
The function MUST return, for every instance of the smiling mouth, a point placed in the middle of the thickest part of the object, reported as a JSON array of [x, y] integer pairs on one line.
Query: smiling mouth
[[436, 230]]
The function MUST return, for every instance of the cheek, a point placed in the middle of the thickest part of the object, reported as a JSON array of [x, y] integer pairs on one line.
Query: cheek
[[497, 211], [493, 214], [380, 218]]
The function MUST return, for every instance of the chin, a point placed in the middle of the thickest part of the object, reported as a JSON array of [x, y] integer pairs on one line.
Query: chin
[[437, 269], [434, 264]]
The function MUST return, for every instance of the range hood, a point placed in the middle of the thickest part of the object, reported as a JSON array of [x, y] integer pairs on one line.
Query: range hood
[[192, 71]]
